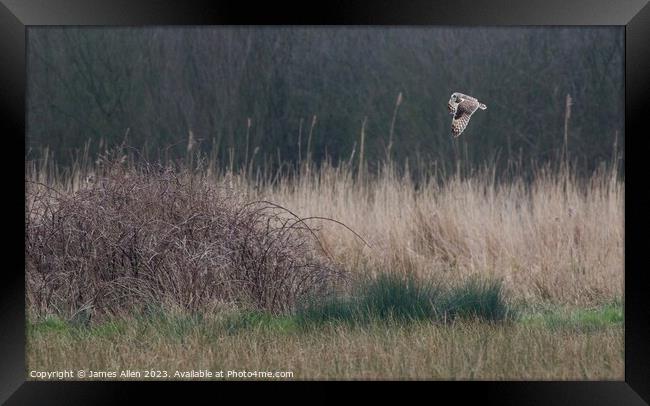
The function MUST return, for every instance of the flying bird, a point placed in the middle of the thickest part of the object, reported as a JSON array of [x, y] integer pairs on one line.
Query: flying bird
[[462, 106]]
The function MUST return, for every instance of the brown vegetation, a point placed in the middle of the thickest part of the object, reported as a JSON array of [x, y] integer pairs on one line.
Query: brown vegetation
[[190, 238], [150, 236], [187, 240], [418, 351]]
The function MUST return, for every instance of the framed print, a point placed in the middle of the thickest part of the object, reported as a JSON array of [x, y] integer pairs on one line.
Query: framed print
[[363, 191]]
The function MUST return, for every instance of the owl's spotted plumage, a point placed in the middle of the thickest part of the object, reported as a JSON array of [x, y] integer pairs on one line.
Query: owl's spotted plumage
[[462, 106]]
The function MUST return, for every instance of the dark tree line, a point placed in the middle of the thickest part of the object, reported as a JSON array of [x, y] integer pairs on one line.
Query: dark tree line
[[266, 89]]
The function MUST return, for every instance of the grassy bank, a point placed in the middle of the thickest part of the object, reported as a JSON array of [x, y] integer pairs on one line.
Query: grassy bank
[[386, 327], [465, 349]]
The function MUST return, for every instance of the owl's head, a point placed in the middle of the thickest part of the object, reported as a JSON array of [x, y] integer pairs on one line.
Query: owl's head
[[454, 100]]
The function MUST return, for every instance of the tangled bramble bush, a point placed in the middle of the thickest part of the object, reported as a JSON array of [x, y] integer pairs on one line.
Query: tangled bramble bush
[[154, 236]]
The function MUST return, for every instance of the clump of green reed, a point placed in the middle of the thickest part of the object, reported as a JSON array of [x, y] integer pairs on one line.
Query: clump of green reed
[[403, 298], [479, 298]]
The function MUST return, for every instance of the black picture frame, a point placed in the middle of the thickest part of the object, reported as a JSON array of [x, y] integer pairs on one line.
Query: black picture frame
[[17, 15]]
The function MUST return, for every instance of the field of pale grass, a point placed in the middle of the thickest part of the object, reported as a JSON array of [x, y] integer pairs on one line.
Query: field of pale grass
[[552, 240], [555, 237], [558, 238]]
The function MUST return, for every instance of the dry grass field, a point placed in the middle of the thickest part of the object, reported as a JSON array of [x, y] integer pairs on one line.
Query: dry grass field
[[557, 239], [554, 244], [418, 350]]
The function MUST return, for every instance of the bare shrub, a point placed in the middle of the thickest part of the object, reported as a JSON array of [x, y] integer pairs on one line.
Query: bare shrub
[[133, 238]]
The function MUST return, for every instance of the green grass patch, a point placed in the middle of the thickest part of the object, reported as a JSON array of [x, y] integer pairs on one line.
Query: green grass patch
[[387, 299], [386, 305], [576, 319], [404, 298], [56, 325], [50, 324], [477, 298], [259, 321]]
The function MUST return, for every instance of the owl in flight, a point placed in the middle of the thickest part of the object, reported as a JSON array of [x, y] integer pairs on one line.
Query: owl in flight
[[462, 106]]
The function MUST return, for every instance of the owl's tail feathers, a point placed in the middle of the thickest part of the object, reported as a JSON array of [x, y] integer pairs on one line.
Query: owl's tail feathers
[[482, 106]]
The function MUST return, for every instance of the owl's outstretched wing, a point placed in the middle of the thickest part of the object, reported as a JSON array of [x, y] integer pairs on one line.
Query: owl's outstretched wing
[[464, 112], [468, 106]]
